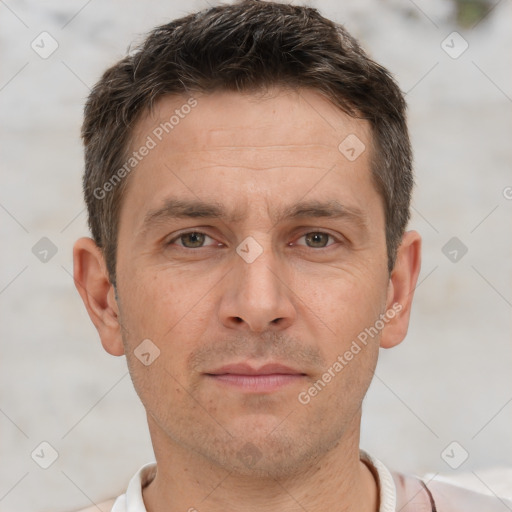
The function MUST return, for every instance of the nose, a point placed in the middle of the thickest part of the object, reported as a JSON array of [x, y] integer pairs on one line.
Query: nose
[[257, 296]]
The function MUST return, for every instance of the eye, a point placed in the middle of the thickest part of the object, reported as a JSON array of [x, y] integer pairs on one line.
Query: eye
[[191, 240], [317, 239]]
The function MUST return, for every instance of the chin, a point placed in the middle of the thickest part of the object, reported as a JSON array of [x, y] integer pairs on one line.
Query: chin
[[259, 454]]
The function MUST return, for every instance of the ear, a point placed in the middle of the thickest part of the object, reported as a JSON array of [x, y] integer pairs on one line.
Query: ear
[[402, 284], [93, 285]]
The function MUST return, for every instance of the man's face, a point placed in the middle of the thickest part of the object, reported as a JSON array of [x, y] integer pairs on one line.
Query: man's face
[[258, 286]]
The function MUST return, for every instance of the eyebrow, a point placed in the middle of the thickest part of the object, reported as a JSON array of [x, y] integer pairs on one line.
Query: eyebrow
[[174, 208], [332, 209]]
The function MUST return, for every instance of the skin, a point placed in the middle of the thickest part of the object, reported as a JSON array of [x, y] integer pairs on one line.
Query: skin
[[301, 302]]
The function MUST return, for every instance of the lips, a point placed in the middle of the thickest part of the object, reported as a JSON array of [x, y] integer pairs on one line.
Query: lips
[[246, 369], [245, 378]]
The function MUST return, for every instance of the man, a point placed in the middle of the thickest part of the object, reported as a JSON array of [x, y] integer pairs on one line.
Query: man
[[248, 179]]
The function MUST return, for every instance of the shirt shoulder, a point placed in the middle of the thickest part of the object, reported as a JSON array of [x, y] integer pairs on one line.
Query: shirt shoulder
[[397, 491], [414, 493], [131, 500]]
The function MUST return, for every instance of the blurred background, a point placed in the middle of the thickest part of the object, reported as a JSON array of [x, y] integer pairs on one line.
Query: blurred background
[[440, 403]]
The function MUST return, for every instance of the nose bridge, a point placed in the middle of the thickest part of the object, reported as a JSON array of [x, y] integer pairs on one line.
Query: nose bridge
[[261, 272], [258, 298], [256, 268]]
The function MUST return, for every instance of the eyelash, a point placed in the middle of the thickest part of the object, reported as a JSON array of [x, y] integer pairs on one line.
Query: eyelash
[[171, 242]]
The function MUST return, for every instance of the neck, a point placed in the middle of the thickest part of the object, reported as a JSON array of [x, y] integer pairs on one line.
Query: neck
[[185, 480]]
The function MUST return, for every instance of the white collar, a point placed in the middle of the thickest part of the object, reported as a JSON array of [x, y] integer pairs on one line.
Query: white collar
[[132, 500], [385, 483]]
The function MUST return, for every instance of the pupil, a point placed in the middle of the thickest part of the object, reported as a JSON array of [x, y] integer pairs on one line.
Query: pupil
[[196, 239], [316, 238]]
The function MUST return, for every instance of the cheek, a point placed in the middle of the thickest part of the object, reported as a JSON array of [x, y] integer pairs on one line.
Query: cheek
[[153, 302], [170, 309], [343, 312], [347, 309], [157, 335], [346, 299]]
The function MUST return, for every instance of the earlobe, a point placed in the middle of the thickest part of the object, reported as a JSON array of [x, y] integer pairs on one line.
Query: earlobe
[[402, 284], [98, 294]]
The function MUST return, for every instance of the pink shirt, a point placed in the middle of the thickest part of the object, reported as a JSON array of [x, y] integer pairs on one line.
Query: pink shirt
[[397, 493]]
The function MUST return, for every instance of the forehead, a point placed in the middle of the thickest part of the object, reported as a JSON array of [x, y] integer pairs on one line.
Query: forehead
[[279, 121], [227, 146]]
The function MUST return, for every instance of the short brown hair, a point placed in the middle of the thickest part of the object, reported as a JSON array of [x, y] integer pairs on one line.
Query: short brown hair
[[247, 46]]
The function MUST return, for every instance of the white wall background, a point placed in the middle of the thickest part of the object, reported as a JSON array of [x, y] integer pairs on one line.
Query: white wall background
[[449, 380]]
